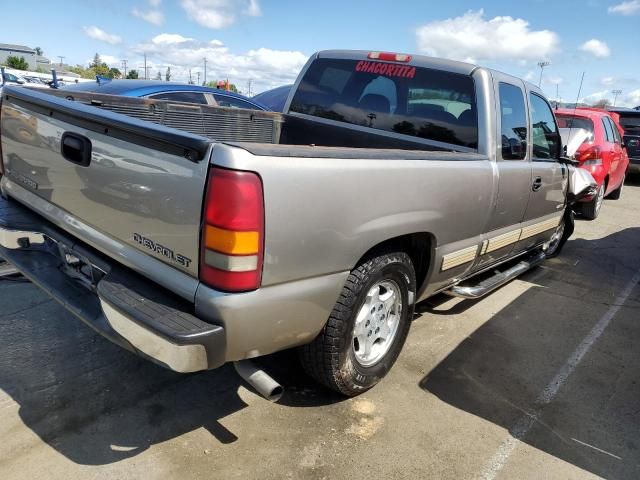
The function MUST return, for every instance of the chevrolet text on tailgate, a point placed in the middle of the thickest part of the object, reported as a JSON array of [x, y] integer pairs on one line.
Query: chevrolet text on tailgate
[[195, 235]]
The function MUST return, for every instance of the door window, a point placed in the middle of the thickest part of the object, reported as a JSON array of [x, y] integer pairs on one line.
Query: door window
[[545, 137], [614, 130], [227, 101], [607, 129], [513, 121], [186, 97]]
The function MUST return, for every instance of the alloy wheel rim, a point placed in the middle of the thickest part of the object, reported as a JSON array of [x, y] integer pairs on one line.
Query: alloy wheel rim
[[377, 322]]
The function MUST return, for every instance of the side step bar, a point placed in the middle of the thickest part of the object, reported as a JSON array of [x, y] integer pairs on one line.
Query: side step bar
[[488, 285]]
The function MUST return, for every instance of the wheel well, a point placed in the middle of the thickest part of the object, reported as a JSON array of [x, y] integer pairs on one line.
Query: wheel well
[[417, 245]]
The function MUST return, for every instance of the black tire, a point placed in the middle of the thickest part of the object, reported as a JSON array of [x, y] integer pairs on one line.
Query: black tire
[[590, 210], [330, 359], [617, 193], [569, 226]]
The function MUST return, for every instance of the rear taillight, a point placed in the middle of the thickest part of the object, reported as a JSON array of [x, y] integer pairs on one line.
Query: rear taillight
[[233, 231], [591, 155], [389, 57]]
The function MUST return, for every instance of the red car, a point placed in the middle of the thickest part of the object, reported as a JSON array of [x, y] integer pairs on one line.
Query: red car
[[601, 153]]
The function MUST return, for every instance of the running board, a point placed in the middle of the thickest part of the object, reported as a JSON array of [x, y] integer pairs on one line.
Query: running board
[[488, 285]]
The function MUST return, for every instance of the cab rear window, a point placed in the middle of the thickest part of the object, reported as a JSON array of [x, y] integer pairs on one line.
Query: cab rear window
[[393, 97]]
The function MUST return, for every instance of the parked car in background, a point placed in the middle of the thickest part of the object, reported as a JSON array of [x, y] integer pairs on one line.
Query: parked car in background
[[177, 92], [13, 79], [630, 122], [599, 150], [275, 98]]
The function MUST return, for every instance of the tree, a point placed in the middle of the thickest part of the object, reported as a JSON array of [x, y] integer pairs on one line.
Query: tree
[[114, 73], [603, 103], [17, 63], [133, 74], [167, 75], [99, 67], [38, 51], [158, 75], [222, 84]]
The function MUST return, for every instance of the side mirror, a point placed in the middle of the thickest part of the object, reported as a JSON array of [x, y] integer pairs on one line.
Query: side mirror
[[20, 81], [569, 161]]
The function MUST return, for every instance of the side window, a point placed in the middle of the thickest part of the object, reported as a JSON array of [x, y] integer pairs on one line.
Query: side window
[[607, 130], [226, 101], [186, 97], [545, 137], [513, 121], [615, 135]]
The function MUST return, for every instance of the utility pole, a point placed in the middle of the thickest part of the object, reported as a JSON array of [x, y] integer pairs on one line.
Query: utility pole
[[61, 59], [198, 73], [615, 95], [542, 65], [249, 88], [124, 67], [190, 81], [205, 71], [145, 66]]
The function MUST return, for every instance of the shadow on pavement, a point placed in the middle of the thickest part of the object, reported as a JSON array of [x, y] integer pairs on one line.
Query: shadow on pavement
[[96, 403], [499, 371]]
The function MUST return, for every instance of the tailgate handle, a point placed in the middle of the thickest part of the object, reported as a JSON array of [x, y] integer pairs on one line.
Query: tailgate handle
[[76, 148]]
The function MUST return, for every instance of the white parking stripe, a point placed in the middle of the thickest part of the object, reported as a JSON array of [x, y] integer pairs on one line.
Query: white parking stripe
[[524, 424]]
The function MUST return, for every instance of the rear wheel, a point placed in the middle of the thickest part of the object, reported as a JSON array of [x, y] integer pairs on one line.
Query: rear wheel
[[367, 327], [591, 209], [617, 193]]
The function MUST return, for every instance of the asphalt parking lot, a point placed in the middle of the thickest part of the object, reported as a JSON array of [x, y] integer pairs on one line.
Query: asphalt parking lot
[[540, 379]]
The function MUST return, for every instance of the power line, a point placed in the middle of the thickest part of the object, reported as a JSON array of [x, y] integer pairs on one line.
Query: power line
[[205, 70]]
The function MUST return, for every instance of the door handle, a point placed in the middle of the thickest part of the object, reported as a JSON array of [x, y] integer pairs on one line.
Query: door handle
[[537, 184], [76, 148]]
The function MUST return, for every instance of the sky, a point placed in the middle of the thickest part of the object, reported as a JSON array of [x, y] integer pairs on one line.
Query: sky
[[268, 41]]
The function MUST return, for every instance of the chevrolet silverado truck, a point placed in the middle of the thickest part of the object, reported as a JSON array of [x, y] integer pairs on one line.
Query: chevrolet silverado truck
[[195, 235]]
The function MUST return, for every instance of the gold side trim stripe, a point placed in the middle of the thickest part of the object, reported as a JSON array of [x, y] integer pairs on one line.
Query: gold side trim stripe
[[538, 228], [501, 241], [460, 257]]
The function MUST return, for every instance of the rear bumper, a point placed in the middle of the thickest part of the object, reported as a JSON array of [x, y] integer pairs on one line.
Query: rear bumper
[[120, 305]]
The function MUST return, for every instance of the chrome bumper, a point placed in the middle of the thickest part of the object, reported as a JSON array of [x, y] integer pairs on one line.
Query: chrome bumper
[[120, 305]]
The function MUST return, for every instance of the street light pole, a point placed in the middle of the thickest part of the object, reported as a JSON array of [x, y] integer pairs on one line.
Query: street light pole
[[615, 95], [542, 65]]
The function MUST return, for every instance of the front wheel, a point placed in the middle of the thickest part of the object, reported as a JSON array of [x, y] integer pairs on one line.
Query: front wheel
[[561, 235], [591, 210], [367, 327]]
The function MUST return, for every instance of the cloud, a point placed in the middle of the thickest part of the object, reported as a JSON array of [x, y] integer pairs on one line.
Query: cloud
[[108, 59], [155, 3], [594, 97], [217, 14], [266, 68], [632, 99], [98, 34], [554, 80], [631, 7], [471, 37], [156, 17], [607, 81], [596, 47]]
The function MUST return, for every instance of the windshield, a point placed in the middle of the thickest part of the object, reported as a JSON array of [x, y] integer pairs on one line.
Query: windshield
[[394, 97]]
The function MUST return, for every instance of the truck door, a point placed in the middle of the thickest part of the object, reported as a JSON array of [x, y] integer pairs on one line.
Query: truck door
[[547, 192], [513, 169]]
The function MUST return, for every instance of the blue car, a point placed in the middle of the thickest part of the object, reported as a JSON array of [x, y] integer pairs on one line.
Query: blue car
[[177, 92], [275, 98]]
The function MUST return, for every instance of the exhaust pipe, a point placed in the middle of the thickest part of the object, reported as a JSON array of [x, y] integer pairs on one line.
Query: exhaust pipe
[[259, 380]]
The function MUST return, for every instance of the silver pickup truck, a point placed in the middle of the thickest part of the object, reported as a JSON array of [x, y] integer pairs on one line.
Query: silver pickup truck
[[195, 235]]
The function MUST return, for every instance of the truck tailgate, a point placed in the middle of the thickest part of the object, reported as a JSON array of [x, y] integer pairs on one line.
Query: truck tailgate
[[139, 183]]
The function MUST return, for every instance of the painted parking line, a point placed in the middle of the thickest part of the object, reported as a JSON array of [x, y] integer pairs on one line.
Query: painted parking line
[[524, 424]]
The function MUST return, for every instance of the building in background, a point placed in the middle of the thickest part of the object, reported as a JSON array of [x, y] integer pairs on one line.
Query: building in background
[[31, 57]]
